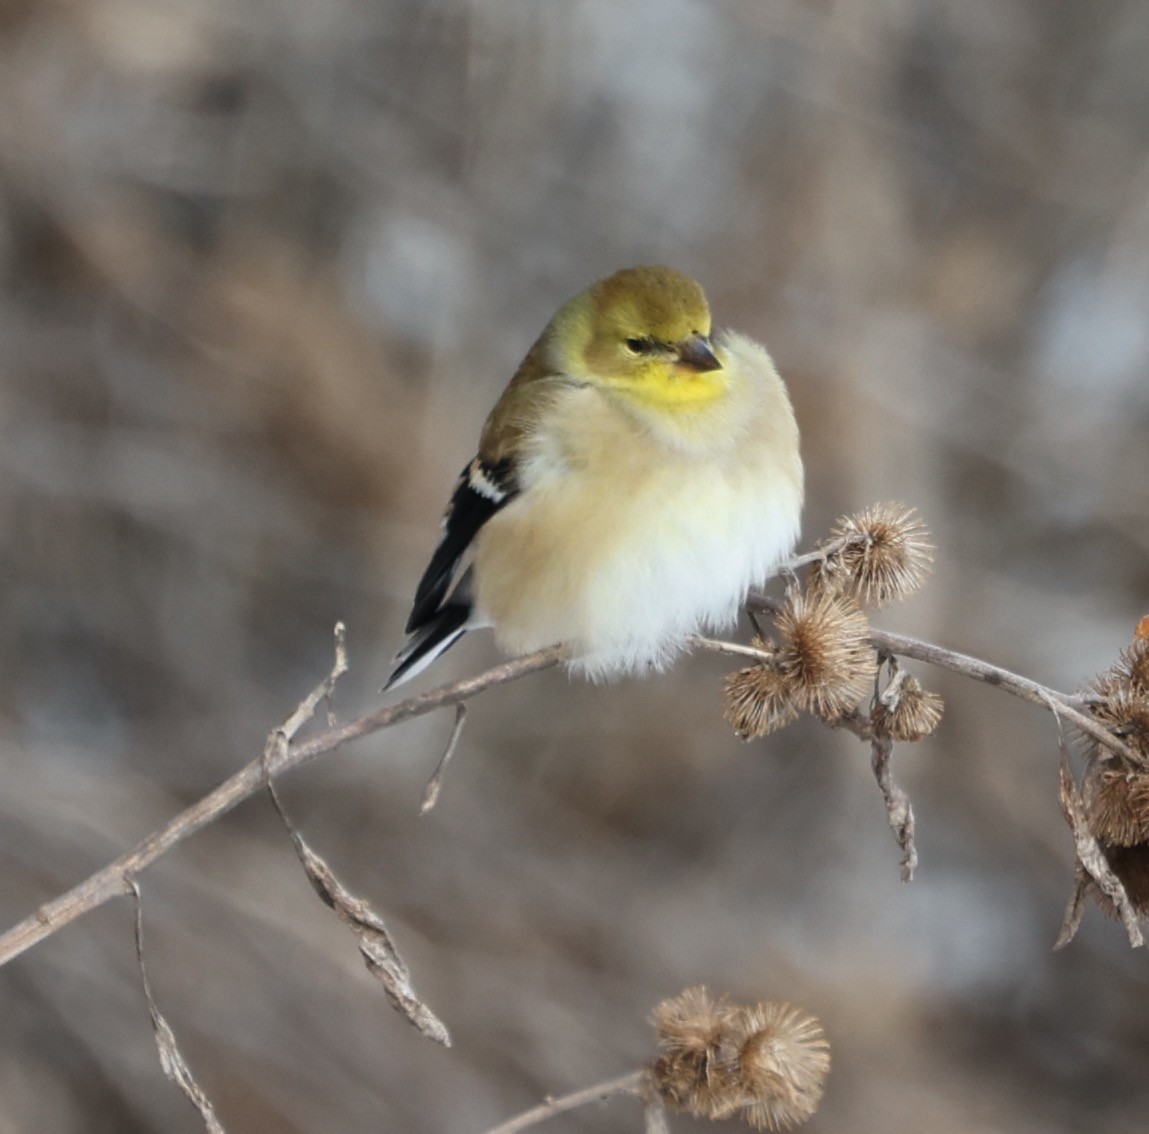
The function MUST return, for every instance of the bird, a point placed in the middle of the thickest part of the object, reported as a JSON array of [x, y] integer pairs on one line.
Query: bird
[[637, 477]]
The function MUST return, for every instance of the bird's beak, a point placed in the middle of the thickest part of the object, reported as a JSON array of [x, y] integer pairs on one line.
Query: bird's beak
[[697, 353]]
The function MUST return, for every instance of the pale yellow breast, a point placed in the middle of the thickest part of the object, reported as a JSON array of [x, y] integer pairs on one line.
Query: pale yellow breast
[[624, 539]]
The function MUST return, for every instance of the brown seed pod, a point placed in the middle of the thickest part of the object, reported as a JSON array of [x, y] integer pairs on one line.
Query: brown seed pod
[[765, 1063], [825, 652], [1122, 710], [877, 555], [693, 1070], [1117, 805], [907, 712], [1134, 665], [782, 1065], [758, 699]]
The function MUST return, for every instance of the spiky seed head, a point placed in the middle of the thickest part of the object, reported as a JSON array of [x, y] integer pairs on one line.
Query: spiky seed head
[[759, 699], [783, 1062], [909, 714], [1142, 630], [877, 555], [1134, 665], [693, 1070], [825, 651], [765, 1063], [1122, 710], [1117, 805]]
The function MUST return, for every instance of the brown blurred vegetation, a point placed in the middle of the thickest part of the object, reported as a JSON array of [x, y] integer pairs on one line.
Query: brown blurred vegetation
[[265, 264]]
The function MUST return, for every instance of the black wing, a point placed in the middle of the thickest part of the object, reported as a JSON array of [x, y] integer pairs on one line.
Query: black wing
[[482, 490]]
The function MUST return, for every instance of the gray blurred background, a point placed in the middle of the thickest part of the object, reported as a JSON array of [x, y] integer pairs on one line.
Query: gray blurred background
[[265, 265]]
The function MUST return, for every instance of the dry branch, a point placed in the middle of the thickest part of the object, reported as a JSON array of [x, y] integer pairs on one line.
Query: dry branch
[[109, 881], [631, 1084]]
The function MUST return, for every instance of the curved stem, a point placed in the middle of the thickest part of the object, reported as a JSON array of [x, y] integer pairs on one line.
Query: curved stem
[[112, 879], [631, 1084]]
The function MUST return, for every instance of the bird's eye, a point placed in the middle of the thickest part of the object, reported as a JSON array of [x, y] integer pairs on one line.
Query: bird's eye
[[639, 346]]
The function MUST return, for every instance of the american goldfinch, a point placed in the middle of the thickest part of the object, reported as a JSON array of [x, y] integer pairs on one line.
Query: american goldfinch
[[632, 483]]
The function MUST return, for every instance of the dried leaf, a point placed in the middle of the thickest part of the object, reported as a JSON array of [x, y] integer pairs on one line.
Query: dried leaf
[[379, 953], [1075, 911], [1090, 856], [171, 1059], [898, 808]]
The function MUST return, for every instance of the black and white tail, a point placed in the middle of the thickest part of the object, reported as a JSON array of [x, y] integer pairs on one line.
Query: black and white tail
[[436, 636]]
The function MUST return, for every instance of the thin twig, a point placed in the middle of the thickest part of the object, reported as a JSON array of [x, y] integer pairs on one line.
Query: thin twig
[[631, 1084], [109, 881], [899, 810], [737, 649], [174, 1065], [435, 783], [818, 555], [305, 710], [1023, 687]]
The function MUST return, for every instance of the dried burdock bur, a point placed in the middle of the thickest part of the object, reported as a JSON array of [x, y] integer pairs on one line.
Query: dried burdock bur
[[1142, 630], [1134, 663], [1117, 804], [695, 1036], [824, 649], [876, 556], [782, 1065], [906, 711], [1122, 710], [765, 1064], [758, 699]]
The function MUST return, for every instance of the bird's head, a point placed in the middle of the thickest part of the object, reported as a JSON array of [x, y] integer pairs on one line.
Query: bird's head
[[643, 333]]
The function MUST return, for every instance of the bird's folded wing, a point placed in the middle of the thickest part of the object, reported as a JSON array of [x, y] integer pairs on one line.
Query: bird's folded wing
[[483, 488]]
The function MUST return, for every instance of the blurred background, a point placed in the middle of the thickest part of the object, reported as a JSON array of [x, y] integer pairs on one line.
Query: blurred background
[[265, 265]]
